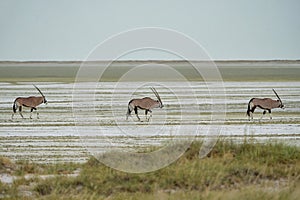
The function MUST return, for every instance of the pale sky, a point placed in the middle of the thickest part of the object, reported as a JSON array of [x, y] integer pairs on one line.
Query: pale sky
[[227, 29]]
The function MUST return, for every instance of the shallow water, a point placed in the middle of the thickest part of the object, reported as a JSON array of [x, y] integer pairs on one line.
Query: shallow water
[[71, 125]]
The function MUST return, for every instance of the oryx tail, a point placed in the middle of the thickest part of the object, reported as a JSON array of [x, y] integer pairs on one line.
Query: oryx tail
[[249, 107], [15, 106]]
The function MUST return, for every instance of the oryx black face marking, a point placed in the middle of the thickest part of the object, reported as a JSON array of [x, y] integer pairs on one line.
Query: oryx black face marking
[[30, 102], [266, 104], [145, 103]]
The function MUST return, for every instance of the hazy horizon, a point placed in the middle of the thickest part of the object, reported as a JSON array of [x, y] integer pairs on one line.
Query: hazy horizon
[[175, 60]]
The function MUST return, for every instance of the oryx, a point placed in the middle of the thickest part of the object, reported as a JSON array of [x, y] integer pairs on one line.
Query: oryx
[[266, 104], [145, 103], [31, 102]]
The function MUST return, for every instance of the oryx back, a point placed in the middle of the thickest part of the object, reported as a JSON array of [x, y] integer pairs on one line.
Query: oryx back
[[31, 102], [145, 103], [265, 103]]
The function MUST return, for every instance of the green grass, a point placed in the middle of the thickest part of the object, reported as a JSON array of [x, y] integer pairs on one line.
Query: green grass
[[230, 171]]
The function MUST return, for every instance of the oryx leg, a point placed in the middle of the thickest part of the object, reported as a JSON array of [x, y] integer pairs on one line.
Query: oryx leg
[[13, 114], [250, 116], [32, 111], [150, 114], [20, 111], [136, 113], [146, 112], [264, 112], [270, 113]]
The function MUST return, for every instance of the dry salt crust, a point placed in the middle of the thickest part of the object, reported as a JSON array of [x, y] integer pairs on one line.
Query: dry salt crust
[[55, 137]]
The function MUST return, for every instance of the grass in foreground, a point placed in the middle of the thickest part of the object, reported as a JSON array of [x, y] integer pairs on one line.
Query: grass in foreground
[[230, 171]]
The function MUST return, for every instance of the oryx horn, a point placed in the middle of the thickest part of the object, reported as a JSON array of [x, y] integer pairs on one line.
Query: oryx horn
[[39, 90], [277, 95], [156, 94]]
